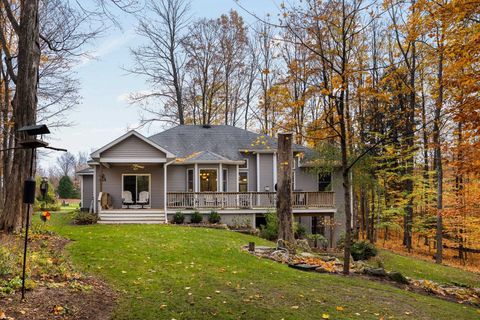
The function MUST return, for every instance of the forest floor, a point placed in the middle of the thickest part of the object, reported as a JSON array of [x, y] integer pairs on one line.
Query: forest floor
[[173, 272]]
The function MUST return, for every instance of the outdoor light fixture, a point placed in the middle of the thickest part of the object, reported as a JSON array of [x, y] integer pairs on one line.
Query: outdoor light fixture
[[33, 144]]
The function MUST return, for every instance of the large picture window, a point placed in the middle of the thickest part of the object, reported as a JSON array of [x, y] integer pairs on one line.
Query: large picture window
[[136, 184], [208, 180], [243, 181]]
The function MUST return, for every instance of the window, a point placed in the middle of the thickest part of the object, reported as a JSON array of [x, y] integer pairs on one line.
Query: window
[[324, 182], [190, 185], [224, 180], [245, 165], [293, 179], [208, 180], [135, 184], [243, 181]]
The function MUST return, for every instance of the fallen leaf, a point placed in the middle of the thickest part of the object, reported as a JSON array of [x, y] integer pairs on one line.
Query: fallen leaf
[[325, 316], [2, 315], [162, 306], [58, 310], [340, 308], [295, 307], [123, 271]]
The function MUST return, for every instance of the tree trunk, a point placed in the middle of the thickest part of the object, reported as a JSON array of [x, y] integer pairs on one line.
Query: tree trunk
[[24, 111], [284, 188], [438, 159]]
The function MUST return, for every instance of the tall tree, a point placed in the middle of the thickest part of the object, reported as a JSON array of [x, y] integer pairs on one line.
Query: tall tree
[[162, 61]]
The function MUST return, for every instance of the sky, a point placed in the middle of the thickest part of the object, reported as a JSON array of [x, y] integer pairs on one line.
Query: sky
[[104, 112]]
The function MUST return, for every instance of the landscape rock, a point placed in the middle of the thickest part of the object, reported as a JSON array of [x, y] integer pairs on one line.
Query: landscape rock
[[397, 277], [302, 245], [376, 272]]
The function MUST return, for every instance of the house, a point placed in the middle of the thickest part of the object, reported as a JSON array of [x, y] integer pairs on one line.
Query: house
[[188, 168]]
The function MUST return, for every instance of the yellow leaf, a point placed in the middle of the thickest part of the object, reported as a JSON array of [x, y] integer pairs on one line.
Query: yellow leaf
[[339, 308], [295, 307], [325, 316]]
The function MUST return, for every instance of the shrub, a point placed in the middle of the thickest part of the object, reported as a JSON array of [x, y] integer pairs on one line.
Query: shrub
[[299, 230], [197, 217], [270, 230], [214, 217], [82, 217], [40, 205], [318, 240], [178, 218], [363, 250], [65, 188]]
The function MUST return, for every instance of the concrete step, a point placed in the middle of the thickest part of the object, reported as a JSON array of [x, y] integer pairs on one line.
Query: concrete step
[[131, 222], [131, 216]]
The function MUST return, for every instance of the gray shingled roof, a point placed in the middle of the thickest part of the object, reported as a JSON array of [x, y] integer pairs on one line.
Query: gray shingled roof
[[203, 156], [217, 140], [85, 171]]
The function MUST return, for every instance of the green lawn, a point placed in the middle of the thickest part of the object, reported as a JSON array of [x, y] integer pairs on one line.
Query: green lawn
[[171, 272], [420, 269]]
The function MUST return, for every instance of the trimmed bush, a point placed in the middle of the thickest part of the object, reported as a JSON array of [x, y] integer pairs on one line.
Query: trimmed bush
[[270, 230], [82, 218], [363, 250], [197, 217], [214, 217], [178, 218]]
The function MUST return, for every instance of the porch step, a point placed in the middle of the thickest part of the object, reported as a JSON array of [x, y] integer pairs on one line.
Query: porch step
[[132, 218]]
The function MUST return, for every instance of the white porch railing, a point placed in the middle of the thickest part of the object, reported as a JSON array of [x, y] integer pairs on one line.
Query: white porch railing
[[246, 200]]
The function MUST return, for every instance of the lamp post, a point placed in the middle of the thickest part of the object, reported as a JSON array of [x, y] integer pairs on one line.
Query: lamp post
[[31, 143]]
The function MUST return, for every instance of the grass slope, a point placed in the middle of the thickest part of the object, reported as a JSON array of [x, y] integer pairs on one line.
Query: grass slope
[[421, 269], [171, 272]]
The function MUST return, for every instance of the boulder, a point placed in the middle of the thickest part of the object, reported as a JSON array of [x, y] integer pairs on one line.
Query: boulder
[[302, 245], [376, 272], [397, 277]]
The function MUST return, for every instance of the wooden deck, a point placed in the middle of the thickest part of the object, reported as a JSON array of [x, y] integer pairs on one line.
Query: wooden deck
[[246, 200]]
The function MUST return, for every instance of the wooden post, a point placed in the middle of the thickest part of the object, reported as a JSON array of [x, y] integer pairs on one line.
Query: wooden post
[[284, 188]]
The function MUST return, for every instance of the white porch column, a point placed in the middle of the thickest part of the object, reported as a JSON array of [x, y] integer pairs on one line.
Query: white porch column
[[274, 170], [236, 179], [220, 177], [195, 179], [258, 172], [165, 191], [95, 189]]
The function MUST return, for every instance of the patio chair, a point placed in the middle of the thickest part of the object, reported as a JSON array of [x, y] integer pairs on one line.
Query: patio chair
[[143, 198], [127, 198]]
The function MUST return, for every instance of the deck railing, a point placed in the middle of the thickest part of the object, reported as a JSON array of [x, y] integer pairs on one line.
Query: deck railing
[[246, 200]]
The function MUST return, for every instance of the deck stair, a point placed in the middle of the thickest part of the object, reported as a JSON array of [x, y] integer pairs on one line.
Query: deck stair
[[133, 216]]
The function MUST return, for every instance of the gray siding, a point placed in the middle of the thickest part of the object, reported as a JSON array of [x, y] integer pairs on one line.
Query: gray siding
[[87, 191], [113, 183], [305, 180], [266, 172], [133, 147], [232, 178], [176, 178]]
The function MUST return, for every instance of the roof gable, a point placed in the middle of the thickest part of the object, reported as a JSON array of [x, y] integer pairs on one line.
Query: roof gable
[[132, 143]]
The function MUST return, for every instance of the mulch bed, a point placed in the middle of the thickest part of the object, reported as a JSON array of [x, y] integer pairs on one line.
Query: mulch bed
[[54, 297], [61, 303]]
